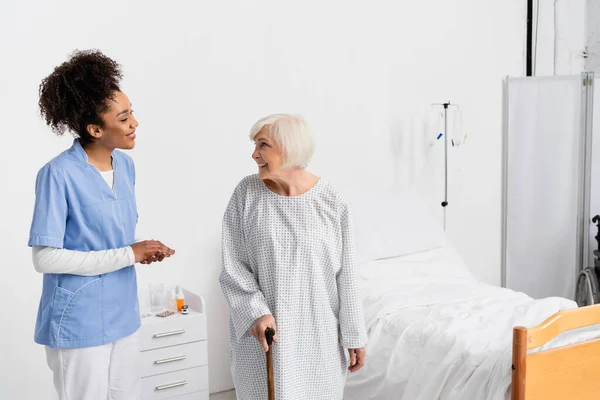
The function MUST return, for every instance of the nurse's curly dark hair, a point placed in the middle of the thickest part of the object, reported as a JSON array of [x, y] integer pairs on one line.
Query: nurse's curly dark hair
[[77, 92]]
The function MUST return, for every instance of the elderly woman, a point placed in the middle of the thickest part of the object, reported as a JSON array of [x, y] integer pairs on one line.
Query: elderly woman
[[289, 264]]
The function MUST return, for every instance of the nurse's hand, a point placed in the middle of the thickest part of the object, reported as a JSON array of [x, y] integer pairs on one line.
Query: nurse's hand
[[259, 328], [150, 250], [157, 257]]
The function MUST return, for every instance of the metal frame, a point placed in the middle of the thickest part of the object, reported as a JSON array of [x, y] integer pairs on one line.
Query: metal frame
[[583, 224], [445, 202], [504, 203]]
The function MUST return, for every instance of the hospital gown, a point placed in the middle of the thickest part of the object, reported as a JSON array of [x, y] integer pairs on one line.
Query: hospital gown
[[292, 257]]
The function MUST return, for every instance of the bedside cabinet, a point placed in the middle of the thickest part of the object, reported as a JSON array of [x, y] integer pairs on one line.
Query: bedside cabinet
[[174, 354]]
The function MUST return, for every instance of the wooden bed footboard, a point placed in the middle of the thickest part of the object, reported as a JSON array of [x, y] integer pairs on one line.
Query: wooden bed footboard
[[568, 372]]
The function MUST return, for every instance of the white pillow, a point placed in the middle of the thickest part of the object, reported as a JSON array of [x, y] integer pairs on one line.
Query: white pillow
[[390, 224], [441, 263]]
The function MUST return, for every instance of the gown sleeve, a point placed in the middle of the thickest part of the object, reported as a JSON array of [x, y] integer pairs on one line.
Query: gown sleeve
[[237, 279], [351, 319]]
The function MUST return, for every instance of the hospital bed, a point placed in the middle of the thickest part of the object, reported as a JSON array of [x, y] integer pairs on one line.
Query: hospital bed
[[436, 332]]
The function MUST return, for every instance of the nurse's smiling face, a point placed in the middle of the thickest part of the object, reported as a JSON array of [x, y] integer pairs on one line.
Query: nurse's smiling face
[[118, 131]]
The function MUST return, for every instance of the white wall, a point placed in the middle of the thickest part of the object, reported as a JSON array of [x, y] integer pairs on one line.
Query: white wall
[[561, 36], [593, 36], [200, 73], [568, 33]]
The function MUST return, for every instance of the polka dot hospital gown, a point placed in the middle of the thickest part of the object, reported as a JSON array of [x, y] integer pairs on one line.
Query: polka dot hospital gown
[[292, 257]]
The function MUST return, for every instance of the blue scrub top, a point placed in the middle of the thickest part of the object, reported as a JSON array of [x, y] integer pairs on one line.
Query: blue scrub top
[[75, 209]]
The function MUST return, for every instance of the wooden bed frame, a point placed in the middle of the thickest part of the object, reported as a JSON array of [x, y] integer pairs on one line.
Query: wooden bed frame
[[568, 372]]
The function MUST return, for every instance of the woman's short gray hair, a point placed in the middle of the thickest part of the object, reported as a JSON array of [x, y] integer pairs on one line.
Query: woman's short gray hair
[[293, 134]]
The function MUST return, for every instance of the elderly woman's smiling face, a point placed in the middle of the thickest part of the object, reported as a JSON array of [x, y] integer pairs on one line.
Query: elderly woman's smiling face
[[267, 154]]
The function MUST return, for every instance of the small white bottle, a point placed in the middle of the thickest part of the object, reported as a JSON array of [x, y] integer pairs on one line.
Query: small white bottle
[[180, 299]]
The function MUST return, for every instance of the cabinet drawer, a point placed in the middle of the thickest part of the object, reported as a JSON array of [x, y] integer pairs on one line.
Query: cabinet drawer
[[173, 384], [173, 358], [157, 332], [202, 395]]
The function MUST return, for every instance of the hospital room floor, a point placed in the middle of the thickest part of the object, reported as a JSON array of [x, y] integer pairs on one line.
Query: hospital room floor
[[229, 395]]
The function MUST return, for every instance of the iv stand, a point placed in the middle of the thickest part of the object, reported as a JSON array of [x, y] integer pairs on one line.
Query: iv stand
[[445, 202]]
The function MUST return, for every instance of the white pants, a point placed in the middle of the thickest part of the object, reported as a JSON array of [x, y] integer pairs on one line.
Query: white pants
[[108, 372]]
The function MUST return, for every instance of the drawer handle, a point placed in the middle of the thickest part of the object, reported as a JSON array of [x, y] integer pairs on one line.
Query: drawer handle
[[168, 360], [160, 335], [171, 385]]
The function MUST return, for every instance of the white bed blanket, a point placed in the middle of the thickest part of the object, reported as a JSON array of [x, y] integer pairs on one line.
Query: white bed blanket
[[437, 333]]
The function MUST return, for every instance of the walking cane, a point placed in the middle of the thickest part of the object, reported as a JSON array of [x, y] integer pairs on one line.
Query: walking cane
[[269, 333]]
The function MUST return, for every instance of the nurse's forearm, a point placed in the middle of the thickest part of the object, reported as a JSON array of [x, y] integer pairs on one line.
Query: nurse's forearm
[[51, 260]]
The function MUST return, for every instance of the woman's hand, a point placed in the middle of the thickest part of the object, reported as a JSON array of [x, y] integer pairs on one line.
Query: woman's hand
[[149, 251], [357, 359], [156, 257], [259, 328]]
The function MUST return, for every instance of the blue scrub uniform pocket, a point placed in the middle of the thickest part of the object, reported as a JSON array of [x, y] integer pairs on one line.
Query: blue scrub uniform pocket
[[76, 315]]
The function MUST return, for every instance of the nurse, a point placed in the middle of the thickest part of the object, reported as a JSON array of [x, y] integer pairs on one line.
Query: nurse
[[82, 234]]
